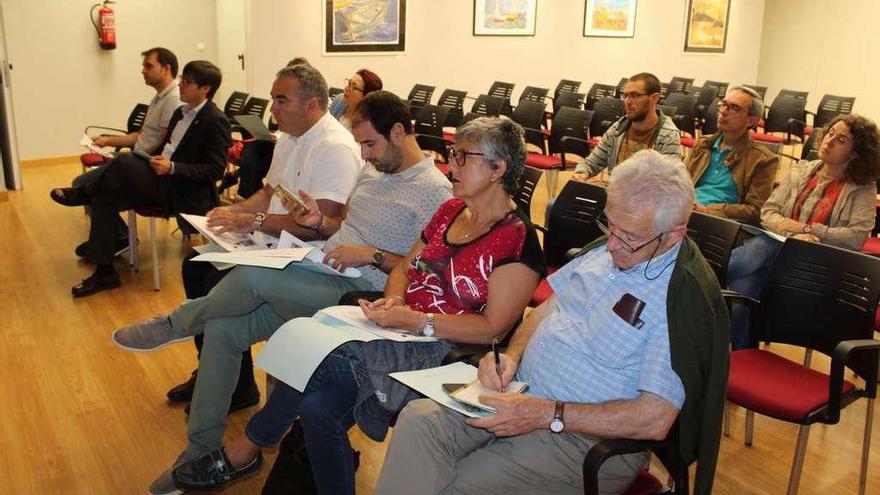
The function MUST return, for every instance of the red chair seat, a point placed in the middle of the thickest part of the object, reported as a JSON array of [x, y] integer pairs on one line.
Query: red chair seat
[[544, 162], [644, 484], [442, 167], [449, 137], [91, 160], [767, 138], [594, 141], [871, 246], [774, 386], [542, 291], [688, 142], [808, 131], [151, 211]]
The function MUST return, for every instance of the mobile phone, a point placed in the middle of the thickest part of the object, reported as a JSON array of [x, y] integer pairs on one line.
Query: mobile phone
[[452, 387], [142, 154], [286, 193]]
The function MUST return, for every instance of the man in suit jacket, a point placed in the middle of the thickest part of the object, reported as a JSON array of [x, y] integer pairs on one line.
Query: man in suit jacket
[[181, 178]]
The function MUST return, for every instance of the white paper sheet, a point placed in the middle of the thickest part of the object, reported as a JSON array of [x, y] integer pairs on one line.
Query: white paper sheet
[[316, 256], [230, 241], [354, 315], [210, 247], [471, 394], [88, 143], [430, 382]]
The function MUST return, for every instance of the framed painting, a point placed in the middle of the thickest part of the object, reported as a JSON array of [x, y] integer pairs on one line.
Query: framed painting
[[610, 18], [505, 17], [364, 26], [707, 24]]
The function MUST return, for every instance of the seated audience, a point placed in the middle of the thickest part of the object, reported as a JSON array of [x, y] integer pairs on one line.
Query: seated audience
[[733, 174], [443, 287], [362, 83], [314, 154], [830, 200], [396, 194], [597, 366], [180, 178]]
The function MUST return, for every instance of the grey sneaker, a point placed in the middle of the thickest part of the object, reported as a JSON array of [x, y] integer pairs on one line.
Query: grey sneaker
[[164, 485], [147, 335]]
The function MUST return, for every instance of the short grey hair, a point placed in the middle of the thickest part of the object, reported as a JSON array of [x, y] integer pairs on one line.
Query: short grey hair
[[499, 138], [756, 109], [649, 181], [311, 82]]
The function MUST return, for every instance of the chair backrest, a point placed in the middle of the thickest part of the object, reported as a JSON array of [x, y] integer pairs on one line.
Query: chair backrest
[[715, 236], [502, 89], [533, 93], [430, 119], [719, 85], [618, 90], [136, 117], [488, 105], [530, 115], [685, 110], [706, 94], [761, 90], [234, 103], [793, 93], [710, 117], [572, 220], [680, 84], [573, 123], [453, 100], [567, 99], [783, 109], [816, 296], [664, 90], [528, 182], [469, 117], [605, 112], [668, 110], [566, 86], [437, 144], [419, 96], [831, 106], [810, 150], [597, 92], [333, 91], [255, 106]]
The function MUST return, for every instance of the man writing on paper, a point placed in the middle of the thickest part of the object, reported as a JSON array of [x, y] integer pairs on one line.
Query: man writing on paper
[[315, 154], [634, 338], [396, 194]]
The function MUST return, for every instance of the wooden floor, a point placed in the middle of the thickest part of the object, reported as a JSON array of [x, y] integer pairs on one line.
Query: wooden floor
[[79, 416]]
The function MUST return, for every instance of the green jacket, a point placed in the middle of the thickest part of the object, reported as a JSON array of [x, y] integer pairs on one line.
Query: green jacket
[[699, 335]]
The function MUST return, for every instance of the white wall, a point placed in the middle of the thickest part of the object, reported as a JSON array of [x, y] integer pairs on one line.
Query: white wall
[[62, 81], [442, 51], [822, 47]]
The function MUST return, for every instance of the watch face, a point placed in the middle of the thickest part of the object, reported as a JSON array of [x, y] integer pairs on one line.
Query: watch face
[[557, 425]]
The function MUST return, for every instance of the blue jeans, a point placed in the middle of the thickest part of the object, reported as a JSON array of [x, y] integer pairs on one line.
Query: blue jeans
[[746, 274], [327, 412]]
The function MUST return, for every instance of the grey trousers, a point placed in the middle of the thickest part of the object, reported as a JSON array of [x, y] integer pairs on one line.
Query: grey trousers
[[433, 451], [244, 308]]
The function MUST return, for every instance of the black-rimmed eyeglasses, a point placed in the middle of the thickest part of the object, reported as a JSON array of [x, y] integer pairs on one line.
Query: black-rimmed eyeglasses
[[460, 156]]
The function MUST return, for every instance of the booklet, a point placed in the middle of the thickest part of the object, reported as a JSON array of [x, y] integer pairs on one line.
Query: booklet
[[470, 394], [751, 229], [230, 241]]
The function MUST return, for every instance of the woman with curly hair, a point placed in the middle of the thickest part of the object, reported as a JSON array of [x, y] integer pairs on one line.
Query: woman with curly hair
[[360, 84], [830, 200]]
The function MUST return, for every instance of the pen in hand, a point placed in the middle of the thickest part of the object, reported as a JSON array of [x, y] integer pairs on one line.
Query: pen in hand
[[498, 368]]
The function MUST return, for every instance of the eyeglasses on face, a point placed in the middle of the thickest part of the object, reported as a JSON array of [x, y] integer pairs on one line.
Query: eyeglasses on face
[[460, 156], [353, 86], [731, 108], [632, 95], [184, 80], [626, 245]]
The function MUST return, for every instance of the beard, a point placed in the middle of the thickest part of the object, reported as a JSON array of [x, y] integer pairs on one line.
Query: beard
[[389, 164], [639, 116]]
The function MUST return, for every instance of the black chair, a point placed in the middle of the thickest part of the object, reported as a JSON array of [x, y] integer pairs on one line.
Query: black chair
[[705, 96], [332, 92], [533, 93], [133, 124], [720, 86], [488, 105], [605, 112], [664, 90], [668, 110], [453, 100], [761, 90], [419, 95], [566, 99], [787, 114], [565, 86], [810, 150], [715, 236], [254, 106], [530, 115], [597, 92], [235, 103], [793, 93], [685, 111], [572, 220], [430, 119], [710, 118], [501, 89], [527, 182], [831, 106], [568, 134], [680, 84], [618, 91], [823, 299]]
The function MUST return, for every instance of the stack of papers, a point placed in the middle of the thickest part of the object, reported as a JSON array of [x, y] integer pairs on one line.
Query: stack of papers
[[88, 143]]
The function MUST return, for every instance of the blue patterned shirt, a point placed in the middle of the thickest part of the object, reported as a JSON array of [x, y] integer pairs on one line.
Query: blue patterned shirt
[[584, 352]]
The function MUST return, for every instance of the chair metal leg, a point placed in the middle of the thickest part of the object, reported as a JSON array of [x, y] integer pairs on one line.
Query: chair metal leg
[[797, 465], [808, 357], [552, 181], [750, 426], [866, 447], [132, 240], [154, 244], [726, 419]]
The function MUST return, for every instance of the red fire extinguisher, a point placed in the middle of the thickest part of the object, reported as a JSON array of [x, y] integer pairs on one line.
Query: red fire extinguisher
[[105, 24]]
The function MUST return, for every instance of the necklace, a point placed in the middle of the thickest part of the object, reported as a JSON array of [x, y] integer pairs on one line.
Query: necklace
[[481, 225]]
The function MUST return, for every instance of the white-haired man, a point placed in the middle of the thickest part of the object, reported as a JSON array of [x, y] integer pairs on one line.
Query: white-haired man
[[634, 338]]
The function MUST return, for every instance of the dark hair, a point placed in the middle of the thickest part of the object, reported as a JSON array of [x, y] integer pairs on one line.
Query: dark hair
[[372, 82], [864, 166], [204, 73], [383, 109], [298, 61], [311, 82], [165, 57], [499, 138], [652, 84]]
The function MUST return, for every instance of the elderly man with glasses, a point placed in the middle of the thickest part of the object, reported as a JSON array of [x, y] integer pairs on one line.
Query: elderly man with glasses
[[732, 173], [634, 339]]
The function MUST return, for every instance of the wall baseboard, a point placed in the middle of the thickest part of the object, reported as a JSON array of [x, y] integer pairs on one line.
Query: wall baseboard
[[54, 160], [4, 196]]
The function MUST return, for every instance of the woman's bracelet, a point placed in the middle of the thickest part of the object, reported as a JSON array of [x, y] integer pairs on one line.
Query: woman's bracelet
[[424, 321]]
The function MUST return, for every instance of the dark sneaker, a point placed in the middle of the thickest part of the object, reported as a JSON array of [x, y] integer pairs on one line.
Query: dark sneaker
[[212, 470], [184, 391], [164, 485], [96, 283], [147, 335], [70, 196]]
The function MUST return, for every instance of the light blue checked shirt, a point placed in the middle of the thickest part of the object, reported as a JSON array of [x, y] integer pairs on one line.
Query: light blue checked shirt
[[584, 352]]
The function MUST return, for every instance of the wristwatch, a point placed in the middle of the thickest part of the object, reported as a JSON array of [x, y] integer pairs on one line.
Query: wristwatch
[[259, 220], [808, 228], [428, 330], [557, 425], [378, 258]]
